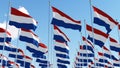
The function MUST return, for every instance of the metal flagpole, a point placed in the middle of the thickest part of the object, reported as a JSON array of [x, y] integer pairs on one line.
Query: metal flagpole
[[49, 32], [92, 28], [85, 35]]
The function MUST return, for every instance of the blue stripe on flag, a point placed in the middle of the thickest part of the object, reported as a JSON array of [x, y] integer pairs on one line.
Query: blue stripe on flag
[[59, 38], [28, 40], [5, 39], [65, 25], [23, 25], [102, 23], [115, 48], [57, 48], [62, 56]]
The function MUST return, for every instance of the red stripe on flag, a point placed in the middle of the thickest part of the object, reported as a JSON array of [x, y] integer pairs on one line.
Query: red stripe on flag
[[15, 11], [64, 15]]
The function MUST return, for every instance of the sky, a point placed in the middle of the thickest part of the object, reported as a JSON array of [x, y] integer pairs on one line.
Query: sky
[[41, 11]]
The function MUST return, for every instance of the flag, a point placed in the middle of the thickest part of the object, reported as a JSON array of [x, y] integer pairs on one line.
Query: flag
[[21, 20], [5, 36], [61, 47], [104, 20], [59, 35], [29, 37], [114, 45], [37, 51], [63, 20], [98, 36]]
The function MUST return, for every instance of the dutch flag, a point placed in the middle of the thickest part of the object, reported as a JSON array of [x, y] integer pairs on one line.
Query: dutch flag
[[29, 37], [98, 36], [59, 35], [63, 20], [37, 51], [21, 20], [104, 20]]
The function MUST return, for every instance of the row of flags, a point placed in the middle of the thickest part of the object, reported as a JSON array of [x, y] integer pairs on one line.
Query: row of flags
[[86, 55]]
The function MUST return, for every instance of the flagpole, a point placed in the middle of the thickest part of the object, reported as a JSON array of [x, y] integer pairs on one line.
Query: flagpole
[[9, 5], [85, 35], [92, 28], [49, 32], [52, 42]]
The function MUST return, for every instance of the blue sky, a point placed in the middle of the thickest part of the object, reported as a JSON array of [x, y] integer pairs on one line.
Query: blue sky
[[77, 9]]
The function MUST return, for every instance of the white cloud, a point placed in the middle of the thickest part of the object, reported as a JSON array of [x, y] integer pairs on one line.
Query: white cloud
[[23, 10], [13, 30]]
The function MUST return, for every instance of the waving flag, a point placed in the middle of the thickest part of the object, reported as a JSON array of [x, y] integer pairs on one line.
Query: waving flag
[[114, 45], [99, 36], [61, 47], [63, 20], [104, 20], [22, 20], [59, 35], [29, 37], [37, 51], [5, 36]]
